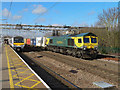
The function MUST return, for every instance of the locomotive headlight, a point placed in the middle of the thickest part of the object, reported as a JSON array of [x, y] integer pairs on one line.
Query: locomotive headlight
[[84, 47]]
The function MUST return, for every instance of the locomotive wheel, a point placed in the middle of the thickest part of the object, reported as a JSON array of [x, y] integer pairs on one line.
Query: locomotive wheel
[[73, 53], [18, 49], [58, 50], [61, 50], [55, 49], [69, 52], [78, 54], [81, 55], [64, 52]]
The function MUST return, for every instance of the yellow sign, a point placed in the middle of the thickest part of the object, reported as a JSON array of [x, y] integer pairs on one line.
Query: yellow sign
[[59, 42]]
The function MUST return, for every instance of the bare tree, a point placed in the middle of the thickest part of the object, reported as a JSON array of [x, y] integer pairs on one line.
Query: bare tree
[[109, 18]]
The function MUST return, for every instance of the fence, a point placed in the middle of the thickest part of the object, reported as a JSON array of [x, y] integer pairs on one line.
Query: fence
[[109, 50]]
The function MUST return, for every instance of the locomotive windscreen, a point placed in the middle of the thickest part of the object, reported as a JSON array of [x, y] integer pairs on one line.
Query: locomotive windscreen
[[18, 40], [93, 40]]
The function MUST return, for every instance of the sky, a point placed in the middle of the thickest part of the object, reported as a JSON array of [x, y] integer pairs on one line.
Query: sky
[[54, 13]]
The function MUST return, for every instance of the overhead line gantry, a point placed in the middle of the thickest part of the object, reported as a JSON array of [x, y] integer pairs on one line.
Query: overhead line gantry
[[44, 27]]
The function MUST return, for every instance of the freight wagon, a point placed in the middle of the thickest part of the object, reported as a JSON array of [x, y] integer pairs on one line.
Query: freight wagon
[[36, 42], [33, 42], [28, 41]]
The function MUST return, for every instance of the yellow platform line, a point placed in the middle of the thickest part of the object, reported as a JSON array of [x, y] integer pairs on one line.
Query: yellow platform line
[[23, 86], [35, 85], [24, 79], [9, 70]]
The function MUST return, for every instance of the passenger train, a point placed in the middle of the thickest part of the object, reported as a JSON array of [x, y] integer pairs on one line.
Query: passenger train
[[17, 43]]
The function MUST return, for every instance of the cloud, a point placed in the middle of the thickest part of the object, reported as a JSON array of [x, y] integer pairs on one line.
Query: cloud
[[6, 13], [39, 9], [83, 24], [15, 17], [40, 20], [91, 13], [56, 25], [25, 9]]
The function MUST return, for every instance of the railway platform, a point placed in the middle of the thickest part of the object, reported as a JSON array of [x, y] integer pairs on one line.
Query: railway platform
[[16, 73]]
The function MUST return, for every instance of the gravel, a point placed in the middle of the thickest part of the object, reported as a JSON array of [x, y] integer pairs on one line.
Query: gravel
[[77, 76]]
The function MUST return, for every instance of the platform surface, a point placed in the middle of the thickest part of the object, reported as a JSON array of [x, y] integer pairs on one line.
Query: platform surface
[[16, 74]]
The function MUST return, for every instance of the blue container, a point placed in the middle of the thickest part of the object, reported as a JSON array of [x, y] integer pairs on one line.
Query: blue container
[[33, 42]]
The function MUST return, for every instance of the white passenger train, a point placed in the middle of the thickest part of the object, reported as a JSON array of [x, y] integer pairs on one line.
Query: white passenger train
[[17, 43]]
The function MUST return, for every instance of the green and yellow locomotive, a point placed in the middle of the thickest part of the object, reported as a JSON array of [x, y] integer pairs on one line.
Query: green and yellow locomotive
[[82, 45]]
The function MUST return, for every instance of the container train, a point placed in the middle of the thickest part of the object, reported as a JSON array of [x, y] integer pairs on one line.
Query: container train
[[37, 42]]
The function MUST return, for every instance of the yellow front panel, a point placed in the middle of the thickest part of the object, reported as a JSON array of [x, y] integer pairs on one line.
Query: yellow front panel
[[47, 42], [76, 41], [25, 41], [91, 45], [88, 45], [18, 44]]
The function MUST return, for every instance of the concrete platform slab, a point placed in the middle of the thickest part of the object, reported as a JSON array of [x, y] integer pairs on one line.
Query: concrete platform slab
[[16, 74]]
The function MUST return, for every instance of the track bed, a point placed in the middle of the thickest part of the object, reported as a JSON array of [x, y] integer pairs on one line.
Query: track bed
[[78, 71]]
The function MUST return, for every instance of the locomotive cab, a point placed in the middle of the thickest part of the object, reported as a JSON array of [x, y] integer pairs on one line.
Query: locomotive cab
[[90, 42], [87, 43], [18, 43]]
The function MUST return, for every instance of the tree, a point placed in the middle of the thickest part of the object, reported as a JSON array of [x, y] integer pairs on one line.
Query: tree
[[108, 18]]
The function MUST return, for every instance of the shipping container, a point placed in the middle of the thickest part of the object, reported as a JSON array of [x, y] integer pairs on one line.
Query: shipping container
[[25, 41], [44, 42], [39, 41], [28, 41], [33, 42]]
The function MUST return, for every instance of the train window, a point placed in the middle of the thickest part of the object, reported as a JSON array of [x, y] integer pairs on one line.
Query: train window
[[79, 41], [93, 40], [86, 40], [71, 42], [51, 41], [18, 40]]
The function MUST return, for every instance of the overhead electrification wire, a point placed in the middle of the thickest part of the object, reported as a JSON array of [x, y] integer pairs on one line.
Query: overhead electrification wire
[[26, 7], [9, 10], [46, 11]]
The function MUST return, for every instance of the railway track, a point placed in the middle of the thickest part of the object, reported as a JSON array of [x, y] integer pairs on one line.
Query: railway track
[[85, 66], [50, 77], [103, 69]]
